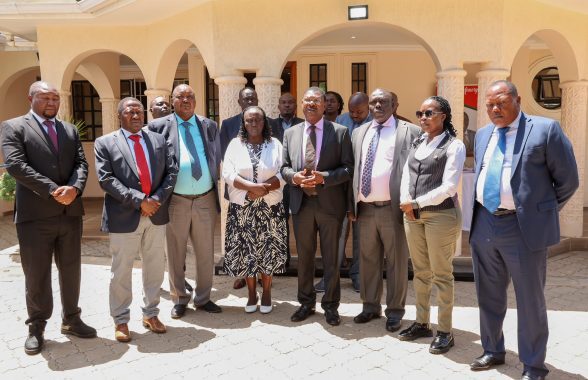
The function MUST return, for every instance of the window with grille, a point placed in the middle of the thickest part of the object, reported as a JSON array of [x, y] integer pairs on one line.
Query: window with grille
[[212, 108], [135, 88], [86, 107], [359, 77], [318, 76]]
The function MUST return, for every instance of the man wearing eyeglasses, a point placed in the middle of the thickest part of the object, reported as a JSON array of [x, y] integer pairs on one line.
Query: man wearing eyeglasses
[[194, 206], [381, 149], [525, 173]]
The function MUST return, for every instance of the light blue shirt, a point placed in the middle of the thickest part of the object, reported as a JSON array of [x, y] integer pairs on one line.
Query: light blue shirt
[[186, 184], [131, 144], [346, 120]]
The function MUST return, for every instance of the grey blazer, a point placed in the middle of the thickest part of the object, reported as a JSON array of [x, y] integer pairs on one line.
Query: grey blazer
[[39, 169], [335, 164], [119, 178], [405, 135]]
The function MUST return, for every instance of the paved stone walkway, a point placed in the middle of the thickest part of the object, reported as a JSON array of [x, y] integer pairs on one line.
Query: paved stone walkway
[[233, 343]]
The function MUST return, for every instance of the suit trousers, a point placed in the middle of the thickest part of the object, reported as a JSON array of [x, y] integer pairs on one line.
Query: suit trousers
[[148, 242], [346, 226], [309, 220], [194, 219], [41, 240], [381, 237], [500, 254], [431, 241]]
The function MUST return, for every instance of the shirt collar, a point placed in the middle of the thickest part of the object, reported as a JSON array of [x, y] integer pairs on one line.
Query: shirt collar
[[515, 122], [41, 119], [192, 120], [127, 133], [318, 125], [391, 122]]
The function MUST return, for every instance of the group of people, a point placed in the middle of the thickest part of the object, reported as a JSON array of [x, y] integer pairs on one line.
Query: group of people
[[394, 183]]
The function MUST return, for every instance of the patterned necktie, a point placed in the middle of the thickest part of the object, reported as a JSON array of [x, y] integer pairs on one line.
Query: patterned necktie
[[310, 152], [492, 182], [142, 166], [366, 176], [52, 133], [194, 160]]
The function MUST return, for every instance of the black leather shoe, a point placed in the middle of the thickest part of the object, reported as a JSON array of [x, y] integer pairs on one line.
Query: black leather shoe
[[302, 313], [77, 327], [527, 376], [332, 317], [34, 343], [442, 343], [393, 324], [365, 317], [484, 362], [319, 287], [210, 307], [415, 331], [178, 311]]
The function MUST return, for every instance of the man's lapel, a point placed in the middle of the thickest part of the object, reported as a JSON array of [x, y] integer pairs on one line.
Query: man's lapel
[[525, 127], [151, 151], [401, 131], [36, 126], [328, 132], [121, 142]]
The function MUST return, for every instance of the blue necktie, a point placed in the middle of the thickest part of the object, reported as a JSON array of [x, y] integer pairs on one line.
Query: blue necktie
[[492, 183], [194, 160], [366, 177]]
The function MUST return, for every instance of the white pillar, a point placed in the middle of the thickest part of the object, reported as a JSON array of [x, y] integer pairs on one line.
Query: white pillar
[[65, 112], [268, 92], [574, 120], [485, 78], [228, 94], [153, 93], [110, 122], [450, 85]]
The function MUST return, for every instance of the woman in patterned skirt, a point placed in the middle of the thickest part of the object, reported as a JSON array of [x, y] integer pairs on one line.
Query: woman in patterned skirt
[[255, 237]]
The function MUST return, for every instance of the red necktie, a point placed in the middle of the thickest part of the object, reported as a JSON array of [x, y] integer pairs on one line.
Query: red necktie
[[52, 133], [142, 166]]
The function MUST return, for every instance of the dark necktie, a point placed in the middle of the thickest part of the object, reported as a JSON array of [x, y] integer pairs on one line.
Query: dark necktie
[[310, 156], [492, 182], [194, 160], [52, 133], [366, 176], [142, 166]]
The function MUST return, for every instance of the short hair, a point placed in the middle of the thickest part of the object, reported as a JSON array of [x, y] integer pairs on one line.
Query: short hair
[[315, 89], [121, 104], [245, 89], [267, 130], [512, 89], [39, 86], [339, 99]]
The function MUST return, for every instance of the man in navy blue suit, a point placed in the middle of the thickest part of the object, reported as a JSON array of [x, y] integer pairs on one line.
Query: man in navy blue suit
[[525, 173]]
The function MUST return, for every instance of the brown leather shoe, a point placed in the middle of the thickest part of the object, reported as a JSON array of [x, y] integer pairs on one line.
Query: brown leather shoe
[[121, 333], [154, 324], [239, 283]]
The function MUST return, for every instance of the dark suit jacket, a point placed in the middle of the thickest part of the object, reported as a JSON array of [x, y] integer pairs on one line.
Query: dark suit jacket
[[335, 164], [119, 178], [405, 135], [278, 130], [168, 127], [39, 169], [544, 177], [229, 130]]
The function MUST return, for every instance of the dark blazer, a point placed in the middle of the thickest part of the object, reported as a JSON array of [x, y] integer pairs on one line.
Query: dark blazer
[[118, 177], [168, 127], [278, 130], [39, 169], [335, 164], [544, 177], [405, 135], [229, 130]]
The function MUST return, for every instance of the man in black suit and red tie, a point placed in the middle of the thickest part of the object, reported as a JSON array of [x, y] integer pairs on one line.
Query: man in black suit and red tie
[[46, 158]]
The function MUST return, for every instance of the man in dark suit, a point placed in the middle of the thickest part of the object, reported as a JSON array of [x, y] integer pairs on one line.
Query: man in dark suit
[[318, 163], [159, 107], [230, 127], [525, 173], [47, 160], [381, 149], [194, 206], [137, 171]]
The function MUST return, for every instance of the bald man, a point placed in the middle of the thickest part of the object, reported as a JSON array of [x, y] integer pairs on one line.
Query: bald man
[[159, 107]]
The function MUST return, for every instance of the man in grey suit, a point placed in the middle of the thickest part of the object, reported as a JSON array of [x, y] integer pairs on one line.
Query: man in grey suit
[[230, 127], [194, 206], [381, 149], [318, 163], [525, 173], [46, 158], [137, 171]]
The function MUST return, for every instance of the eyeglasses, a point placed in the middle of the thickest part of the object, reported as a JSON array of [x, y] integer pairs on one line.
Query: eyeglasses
[[428, 113]]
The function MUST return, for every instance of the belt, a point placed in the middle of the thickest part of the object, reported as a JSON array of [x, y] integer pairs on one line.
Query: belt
[[192, 197], [378, 203], [504, 212]]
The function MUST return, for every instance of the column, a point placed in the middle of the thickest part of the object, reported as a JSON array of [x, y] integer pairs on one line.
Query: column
[[65, 112], [574, 119], [450, 85], [228, 94], [153, 93], [197, 79], [268, 91], [486, 77], [110, 122]]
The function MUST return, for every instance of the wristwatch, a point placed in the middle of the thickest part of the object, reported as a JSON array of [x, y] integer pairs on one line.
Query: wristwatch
[[415, 205]]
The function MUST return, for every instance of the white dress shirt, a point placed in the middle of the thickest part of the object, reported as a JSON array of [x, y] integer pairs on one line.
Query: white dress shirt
[[456, 154], [506, 199], [319, 139], [383, 160]]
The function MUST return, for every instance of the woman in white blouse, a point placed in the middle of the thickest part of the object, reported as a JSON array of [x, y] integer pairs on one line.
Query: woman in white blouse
[[255, 237], [432, 218]]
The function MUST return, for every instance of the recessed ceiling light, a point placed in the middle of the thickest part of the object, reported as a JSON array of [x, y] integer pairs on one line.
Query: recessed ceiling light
[[353, 37]]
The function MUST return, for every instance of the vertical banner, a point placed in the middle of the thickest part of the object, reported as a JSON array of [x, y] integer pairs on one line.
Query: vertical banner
[[470, 102]]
